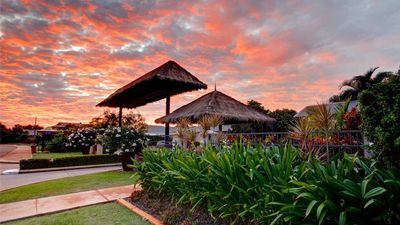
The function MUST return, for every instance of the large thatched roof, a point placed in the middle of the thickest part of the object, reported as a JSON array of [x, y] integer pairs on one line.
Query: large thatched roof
[[167, 79], [216, 103]]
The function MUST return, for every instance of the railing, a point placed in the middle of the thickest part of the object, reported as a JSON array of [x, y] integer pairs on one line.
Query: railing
[[348, 140]]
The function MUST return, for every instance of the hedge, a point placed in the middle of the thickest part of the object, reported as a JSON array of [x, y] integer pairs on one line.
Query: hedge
[[68, 161]]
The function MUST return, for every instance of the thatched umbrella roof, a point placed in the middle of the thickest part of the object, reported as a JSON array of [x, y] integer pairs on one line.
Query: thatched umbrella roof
[[166, 80], [216, 103]]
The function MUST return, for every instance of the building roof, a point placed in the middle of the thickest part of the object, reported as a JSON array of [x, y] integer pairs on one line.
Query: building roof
[[333, 108], [216, 103], [167, 79]]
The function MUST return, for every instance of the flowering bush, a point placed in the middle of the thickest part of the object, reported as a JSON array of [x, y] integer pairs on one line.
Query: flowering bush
[[117, 140], [82, 138]]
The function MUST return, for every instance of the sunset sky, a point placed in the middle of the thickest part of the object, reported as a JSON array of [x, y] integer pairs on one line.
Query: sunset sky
[[60, 58]]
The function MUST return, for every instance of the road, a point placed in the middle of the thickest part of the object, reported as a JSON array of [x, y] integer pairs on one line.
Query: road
[[16, 180], [14, 153]]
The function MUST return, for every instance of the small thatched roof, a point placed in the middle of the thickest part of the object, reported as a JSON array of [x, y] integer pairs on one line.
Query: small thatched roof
[[216, 103], [167, 79], [333, 108]]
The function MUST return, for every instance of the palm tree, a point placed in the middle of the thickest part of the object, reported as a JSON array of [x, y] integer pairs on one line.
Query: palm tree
[[358, 84]]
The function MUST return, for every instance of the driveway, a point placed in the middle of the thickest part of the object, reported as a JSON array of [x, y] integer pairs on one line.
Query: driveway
[[14, 153], [5, 149]]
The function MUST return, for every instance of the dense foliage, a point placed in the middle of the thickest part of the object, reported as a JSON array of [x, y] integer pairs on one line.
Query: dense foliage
[[15, 134], [60, 143], [274, 185], [354, 86], [82, 138], [68, 161], [284, 117], [380, 112], [110, 119], [118, 140]]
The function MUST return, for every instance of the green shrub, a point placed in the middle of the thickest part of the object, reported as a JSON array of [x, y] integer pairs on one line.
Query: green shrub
[[274, 186], [68, 161], [60, 144], [380, 112]]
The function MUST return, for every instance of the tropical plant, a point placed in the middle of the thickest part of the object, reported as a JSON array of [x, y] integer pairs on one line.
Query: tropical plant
[[359, 83], [182, 128], [380, 113], [215, 120], [254, 185], [341, 111], [302, 131], [191, 138], [205, 124], [323, 120]]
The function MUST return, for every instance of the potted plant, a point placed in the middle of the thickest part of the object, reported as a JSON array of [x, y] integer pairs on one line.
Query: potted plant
[[33, 148], [82, 139], [125, 142]]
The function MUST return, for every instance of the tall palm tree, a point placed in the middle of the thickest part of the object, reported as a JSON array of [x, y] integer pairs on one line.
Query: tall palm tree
[[358, 84]]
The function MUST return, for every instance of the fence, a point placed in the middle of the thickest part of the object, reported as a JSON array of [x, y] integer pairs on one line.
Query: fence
[[349, 140]]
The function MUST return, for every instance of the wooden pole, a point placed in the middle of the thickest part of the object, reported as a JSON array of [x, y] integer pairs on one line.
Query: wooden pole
[[120, 117], [167, 109]]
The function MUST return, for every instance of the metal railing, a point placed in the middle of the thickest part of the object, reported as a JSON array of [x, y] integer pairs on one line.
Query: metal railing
[[349, 140]]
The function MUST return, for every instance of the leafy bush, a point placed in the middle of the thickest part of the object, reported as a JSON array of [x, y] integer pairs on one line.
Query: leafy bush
[[274, 186], [118, 140], [60, 143], [82, 138], [380, 112], [68, 161]]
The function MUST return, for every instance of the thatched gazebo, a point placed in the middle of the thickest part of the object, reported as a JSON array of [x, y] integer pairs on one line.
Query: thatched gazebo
[[217, 103], [164, 81]]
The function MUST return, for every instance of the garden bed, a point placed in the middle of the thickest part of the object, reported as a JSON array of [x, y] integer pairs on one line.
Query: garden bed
[[167, 211]]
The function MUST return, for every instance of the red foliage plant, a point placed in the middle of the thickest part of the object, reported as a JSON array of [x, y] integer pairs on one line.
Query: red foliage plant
[[352, 120]]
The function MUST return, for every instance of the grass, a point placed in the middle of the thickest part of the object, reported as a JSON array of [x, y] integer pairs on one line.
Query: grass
[[104, 214], [67, 185], [43, 155]]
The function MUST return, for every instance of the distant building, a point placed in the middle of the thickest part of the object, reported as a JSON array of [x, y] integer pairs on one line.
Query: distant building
[[67, 125], [333, 108]]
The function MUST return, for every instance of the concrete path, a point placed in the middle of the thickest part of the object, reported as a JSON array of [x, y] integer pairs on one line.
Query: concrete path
[[16, 180], [14, 153], [40, 206]]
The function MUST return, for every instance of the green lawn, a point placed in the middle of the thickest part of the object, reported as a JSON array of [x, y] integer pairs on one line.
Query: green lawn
[[45, 155], [67, 185], [104, 214]]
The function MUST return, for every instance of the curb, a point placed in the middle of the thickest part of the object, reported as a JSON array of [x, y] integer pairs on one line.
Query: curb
[[140, 212], [68, 168]]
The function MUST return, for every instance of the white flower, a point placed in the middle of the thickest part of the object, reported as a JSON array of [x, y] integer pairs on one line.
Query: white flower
[[117, 135], [134, 144]]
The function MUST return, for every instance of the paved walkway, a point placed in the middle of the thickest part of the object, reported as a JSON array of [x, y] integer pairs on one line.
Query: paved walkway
[[14, 153], [16, 180], [40, 206]]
